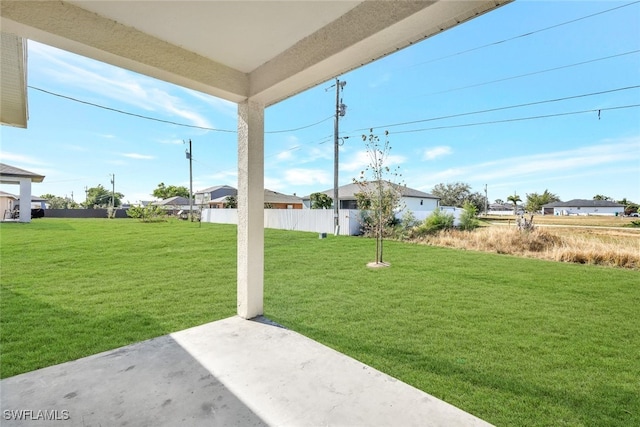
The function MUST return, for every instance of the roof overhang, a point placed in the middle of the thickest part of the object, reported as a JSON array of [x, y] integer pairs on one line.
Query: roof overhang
[[235, 50], [13, 81], [13, 175]]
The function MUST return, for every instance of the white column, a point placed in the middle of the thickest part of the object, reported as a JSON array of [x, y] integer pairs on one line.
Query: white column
[[250, 209], [25, 200]]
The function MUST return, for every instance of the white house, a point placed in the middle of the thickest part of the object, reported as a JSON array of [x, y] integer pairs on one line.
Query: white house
[[584, 207], [410, 199]]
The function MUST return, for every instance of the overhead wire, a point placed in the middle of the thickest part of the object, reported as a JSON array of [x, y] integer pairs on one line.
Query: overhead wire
[[116, 110], [525, 34], [490, 110], [533, 73], [517, 119], [326, 139]]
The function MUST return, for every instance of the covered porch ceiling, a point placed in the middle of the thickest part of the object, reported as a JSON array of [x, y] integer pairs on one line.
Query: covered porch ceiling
[[236, 50]]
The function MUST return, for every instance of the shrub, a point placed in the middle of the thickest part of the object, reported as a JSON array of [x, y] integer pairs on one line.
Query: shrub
[[468, 218], [438, 220], [149, 213]]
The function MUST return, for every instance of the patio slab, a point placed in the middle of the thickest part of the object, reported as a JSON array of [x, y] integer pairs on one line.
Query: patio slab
[[232, 372]]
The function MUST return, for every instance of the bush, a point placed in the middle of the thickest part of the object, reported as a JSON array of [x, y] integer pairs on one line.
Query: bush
[[435, 222], [149, 213], [468, 218]]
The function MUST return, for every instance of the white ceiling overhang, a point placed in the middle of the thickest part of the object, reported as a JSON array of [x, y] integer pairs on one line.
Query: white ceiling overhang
[[263, 50], [13, 81]]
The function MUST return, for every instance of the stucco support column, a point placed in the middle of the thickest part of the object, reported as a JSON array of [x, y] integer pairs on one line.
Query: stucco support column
[[25, 200], [250, 209]]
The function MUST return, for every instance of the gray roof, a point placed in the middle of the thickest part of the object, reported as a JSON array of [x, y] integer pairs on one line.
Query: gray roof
[[349, 191], [8, 172], [176, 200], [270, 196], [5, 194], [582, 203], [275, 197], [215, 188]]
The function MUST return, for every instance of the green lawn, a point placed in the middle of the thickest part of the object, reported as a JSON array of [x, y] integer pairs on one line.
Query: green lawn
[[513, 341]]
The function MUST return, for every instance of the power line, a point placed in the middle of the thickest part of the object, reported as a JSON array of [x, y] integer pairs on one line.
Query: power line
[[320, 141], [302, 127], [128, 113], [533, 73], [518, 119], [115, 110], [499, 108], [524, 34]]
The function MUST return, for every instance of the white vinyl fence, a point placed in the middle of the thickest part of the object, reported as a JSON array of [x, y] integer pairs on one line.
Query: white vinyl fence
[[314, 220]]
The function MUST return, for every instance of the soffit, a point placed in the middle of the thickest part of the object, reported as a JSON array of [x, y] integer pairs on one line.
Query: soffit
[[13, 81], [264, 50]]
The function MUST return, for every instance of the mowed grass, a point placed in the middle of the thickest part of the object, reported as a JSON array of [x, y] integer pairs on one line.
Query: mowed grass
[[514, 341]]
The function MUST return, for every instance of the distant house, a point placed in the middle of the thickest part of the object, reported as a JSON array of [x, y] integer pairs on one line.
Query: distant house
[[16, 176], [175, 204], [275, 200], [203, 197], [583, 207], [272, 200], [414, 200], [504, 209], [36, 202], [7, 204]]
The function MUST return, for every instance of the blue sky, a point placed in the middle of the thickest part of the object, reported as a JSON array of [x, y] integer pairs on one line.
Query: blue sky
[[481, 65]]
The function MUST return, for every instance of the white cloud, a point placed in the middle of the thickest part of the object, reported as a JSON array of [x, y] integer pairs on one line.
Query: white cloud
[[553, 165], [112, 83], [20, 158], [175, 141], [227, 177], [380, 80], [138, 156], [362, 159], [287, 154], [223, 106], [435, 152], [300, 176]]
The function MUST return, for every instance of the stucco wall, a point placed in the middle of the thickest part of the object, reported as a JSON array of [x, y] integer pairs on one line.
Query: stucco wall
[[413, 203], [611, 211]]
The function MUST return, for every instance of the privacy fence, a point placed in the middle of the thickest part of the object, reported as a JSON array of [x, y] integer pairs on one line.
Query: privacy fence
[[315, 220]]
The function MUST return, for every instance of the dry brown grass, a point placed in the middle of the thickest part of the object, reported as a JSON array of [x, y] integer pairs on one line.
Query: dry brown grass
[[570, 220], [615, 248]]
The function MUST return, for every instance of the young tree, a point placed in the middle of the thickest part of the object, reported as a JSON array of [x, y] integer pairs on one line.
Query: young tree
[[320, 201], [469, 217], [380, 196]]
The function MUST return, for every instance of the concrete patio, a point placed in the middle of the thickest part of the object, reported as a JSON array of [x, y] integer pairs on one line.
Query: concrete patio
[[232, 372]]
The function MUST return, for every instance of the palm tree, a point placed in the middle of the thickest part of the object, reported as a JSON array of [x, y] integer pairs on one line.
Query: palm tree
[[514, 199]]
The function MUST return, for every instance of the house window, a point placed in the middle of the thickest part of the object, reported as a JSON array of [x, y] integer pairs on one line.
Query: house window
[[421, 202]]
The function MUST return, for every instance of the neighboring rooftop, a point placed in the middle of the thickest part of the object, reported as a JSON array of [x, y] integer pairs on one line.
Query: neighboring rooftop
[[349, 191], [10, 174], [584, 203]]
